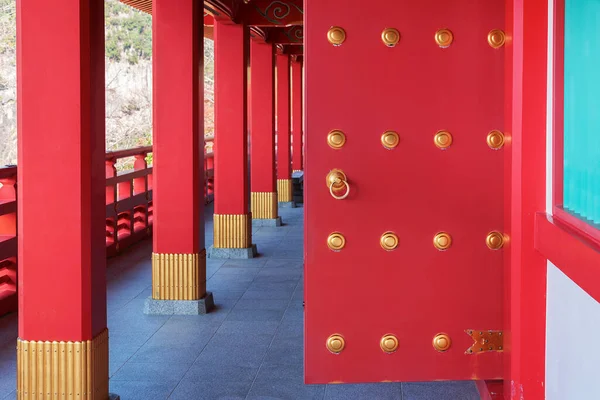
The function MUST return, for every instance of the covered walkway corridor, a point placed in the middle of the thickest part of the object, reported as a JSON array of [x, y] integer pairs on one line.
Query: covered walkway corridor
[[249, 347], [468, 248]]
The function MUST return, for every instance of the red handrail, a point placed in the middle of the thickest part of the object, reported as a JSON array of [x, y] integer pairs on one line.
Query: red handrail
[[128, 210]]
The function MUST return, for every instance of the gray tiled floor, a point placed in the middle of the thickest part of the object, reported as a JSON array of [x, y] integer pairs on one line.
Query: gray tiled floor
[[250, 347]]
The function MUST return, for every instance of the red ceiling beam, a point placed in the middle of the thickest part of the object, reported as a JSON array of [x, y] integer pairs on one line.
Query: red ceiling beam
[[293, 35], [273, 12], [222, 9], [262, 13], [291, 50], [258, 34]]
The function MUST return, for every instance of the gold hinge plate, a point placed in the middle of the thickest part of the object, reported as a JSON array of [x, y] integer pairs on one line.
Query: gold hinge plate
[[485, 341]]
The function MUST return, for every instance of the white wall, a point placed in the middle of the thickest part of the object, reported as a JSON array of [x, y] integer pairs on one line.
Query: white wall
[[572, 316], [572, 353]]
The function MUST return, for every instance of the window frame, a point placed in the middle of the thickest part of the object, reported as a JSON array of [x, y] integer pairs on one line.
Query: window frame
[[579, 227]]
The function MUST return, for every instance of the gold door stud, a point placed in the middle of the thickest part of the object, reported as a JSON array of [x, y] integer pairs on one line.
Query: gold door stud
[[441, 342], [494, 240], [444, 37], [336, 35], [442, 241], [390, 139], [388, 343], [336, 241], [335, 343], [390, 37], [442, 139], [495, 140], [389, 241], [336, 139], [496, 38]]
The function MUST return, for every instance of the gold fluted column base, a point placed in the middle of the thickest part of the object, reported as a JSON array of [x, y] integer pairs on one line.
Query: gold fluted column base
[[264, 205], [178, 276], [63, 370], [232, 231], [284, 190]]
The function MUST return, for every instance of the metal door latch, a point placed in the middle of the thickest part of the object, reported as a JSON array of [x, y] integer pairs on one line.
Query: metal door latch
[[485, 341]]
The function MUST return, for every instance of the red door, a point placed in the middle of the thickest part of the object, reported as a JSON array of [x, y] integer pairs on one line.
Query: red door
[[409, 259]]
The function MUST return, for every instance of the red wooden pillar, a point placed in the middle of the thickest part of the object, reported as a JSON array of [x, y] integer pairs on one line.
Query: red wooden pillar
[[297, 144], [232, 219], [179, 257], [262, 129], [284, 165], [62, 349], [525, 194]]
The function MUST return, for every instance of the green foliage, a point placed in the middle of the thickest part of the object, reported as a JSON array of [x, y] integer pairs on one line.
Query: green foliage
[[8, 26], [128, 33], [113, 52]]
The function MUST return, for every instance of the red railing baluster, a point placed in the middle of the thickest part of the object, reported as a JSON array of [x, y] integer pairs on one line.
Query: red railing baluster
[[209, 168], [111, 200], [131, 203]]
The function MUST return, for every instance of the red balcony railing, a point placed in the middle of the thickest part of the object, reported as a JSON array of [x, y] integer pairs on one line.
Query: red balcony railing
[[8, 240], [128, 210], [128, 199]]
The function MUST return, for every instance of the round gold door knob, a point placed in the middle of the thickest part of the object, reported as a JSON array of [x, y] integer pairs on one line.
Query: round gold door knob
[[336, 241], [442, 139], [441, 342], [335, 343], [389, 241], [336, 35], [336, 139], [444, 37], [494, 240], [442, 241], [496, 38], [495, 139], [390, 139], [389, 343], [390, 37]]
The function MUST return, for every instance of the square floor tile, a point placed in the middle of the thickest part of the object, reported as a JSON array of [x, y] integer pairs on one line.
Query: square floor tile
[[364, 391], [166, 355], [221, 374], [240, 355], [465, 390], [285, 389], [151, 372], [189, 390], [136, 390]]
